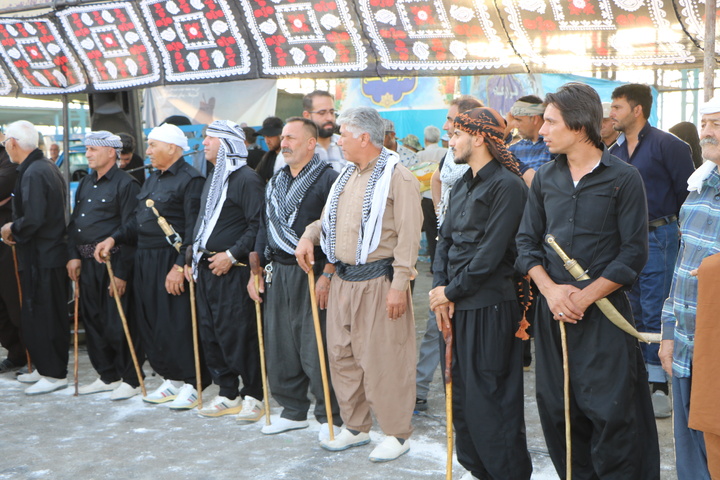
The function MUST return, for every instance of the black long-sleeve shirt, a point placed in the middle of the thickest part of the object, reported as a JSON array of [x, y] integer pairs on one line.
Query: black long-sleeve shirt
[[601, 223], [39, 205], [102, 206], [310, 210], [176, 193], [476, 246], [239, 219]]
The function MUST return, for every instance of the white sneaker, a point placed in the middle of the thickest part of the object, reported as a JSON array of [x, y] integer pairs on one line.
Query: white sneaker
[[344, 440], [186, 399], [284, 425], [29, 377], [252, 410], [221, 406], [98, 386], [164, 393], [389, 449], [324, 433], [661, 404], [46, 385], [124, 391]]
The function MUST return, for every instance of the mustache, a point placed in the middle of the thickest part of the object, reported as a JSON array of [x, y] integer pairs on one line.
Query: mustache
[[286, 150], [709, 141]]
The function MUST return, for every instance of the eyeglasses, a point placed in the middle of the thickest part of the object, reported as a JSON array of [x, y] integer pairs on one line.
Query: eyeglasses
[[6, 140], [324, 112]]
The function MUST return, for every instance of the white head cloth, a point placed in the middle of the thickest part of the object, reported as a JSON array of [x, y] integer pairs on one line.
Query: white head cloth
[[711, 106], [526, 109], [169, 133]]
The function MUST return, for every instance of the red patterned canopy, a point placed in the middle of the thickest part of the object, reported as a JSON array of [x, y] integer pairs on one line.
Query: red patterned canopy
[[121, 45]]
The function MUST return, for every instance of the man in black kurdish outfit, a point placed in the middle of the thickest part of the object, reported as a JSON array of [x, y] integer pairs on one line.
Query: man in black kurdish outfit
[[294, 198], [105, 200], [163, 303], [38, 228], [474, 295], [224, 235], [594, 204]]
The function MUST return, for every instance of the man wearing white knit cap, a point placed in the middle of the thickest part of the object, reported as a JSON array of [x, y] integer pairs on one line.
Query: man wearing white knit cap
[[163, 303], [104, 201], [688, 346]]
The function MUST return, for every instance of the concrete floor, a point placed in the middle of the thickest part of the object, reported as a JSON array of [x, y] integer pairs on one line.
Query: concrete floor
[[60, 437]]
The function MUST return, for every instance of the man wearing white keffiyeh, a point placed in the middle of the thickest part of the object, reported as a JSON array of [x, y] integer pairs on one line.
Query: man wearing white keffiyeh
[[294, 197], [371, 229], [224, 235]]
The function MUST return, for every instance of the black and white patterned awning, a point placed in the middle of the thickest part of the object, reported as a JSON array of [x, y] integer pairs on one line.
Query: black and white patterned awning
[[130, 44]]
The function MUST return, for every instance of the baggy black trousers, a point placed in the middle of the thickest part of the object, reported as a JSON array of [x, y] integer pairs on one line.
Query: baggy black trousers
[[164, 320], [614, 435], [228, 330], [488, 406], [45, 323], [106, 343]]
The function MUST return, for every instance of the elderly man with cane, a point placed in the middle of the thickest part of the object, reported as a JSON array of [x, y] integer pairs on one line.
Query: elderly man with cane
[[169, 198], [38, 230], [370, 230], [230, 209], [474, 295], [594, 205], [105, 200], [294, 198]]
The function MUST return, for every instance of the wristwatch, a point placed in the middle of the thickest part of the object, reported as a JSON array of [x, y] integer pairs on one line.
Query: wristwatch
[[328, 275]]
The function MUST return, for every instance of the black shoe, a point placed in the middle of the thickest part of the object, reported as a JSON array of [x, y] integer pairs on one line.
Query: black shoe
[[22, 370], [421, 404], [8, 366]]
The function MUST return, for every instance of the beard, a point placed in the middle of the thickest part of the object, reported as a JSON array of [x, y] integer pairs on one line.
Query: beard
[[326, 131], [460, 158]]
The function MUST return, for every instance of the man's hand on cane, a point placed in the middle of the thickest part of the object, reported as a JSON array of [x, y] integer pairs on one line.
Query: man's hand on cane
[[73, 269], [6, 234], [305, 254], [102, 250], [254, 294], [559, 299]]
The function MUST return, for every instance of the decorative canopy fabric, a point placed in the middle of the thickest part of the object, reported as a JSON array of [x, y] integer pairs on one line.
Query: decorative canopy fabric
[[130, 44]]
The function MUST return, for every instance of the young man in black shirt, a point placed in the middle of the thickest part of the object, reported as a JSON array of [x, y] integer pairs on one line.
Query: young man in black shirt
[[295, 198], [230, 208], [594, 204], [163, 302], [105, 200], [474, 295], [38, 229]]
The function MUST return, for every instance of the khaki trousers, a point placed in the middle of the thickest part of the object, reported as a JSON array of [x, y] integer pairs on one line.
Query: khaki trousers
[[372, 358]]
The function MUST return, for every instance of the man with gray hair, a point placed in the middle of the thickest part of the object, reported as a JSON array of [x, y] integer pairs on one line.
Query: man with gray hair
[[105, 200], [38, 230], [433, 151], [370, 230]]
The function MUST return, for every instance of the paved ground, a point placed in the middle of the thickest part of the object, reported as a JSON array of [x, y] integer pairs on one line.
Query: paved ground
[[60, 437]]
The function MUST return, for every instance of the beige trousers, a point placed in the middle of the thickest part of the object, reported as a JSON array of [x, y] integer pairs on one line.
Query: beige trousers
[[372, 358]]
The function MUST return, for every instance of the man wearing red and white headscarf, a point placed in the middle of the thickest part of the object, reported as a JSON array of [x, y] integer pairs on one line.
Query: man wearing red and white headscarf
[[475, 297]]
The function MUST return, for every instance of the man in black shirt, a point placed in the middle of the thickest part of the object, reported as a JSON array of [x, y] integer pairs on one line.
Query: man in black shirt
[[594, 204], [128, 159], [105, 200], [294, 198], [163, 304], [270, 163], [9, 299], [38, 229], [224, 235], [474, 295]]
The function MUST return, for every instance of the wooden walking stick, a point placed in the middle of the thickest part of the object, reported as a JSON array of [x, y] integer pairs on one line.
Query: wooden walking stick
[[566, 402], [448, 336], [131, 345], [193, 315], [17, 279], [257, 271], [76, 366], [321, 352]]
